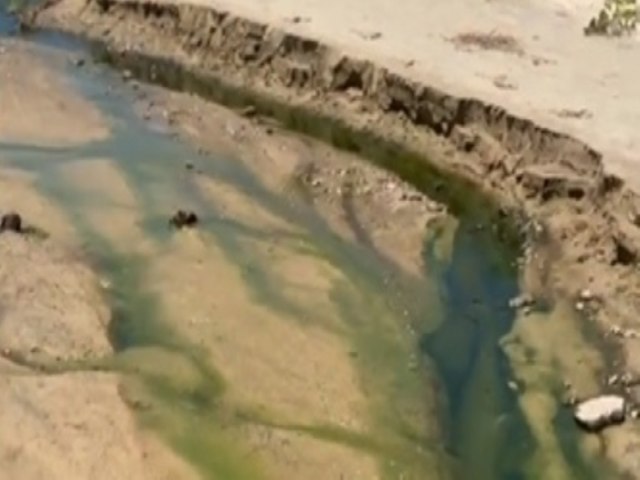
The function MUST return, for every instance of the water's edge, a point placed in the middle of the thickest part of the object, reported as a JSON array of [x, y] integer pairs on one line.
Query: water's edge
[[476, 305]]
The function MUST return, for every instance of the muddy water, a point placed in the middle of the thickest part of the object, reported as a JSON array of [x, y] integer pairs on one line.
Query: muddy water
[[407, 337]]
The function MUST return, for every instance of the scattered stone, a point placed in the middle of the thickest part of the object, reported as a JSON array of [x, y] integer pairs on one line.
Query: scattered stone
[[513, 385], [127, 74], [79, 62], [11, 222], [182, 219], [568, 113], [586, 295], [600, 412], [521, 301], [188, 166], [368, 35], [502, 82], [627, 380], [616, 331], [634, 414], [613, 380], [249, 111], [537, 61], [580, 306], [415, 197]]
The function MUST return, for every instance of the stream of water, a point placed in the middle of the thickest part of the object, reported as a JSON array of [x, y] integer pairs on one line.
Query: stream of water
[[486, 435]]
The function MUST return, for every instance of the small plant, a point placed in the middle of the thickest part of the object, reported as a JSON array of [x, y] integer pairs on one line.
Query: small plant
[[617, 17]]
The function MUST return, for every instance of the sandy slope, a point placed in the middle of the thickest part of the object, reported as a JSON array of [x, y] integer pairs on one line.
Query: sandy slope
[[559, 68]]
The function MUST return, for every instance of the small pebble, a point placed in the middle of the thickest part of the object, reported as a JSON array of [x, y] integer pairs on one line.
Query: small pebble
[[586, 295]]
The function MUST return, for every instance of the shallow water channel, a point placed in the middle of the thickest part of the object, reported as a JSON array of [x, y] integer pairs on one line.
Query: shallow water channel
[[409, 337]]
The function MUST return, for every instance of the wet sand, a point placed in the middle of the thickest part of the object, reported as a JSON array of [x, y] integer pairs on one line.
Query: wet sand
[[290, 414]]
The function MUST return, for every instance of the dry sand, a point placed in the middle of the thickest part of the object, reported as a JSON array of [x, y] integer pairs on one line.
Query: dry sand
[[559, 73]]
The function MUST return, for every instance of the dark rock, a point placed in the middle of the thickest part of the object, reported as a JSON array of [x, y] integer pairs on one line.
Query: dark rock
[[11, 222], [188, 166], [182, 219], [625, 252]]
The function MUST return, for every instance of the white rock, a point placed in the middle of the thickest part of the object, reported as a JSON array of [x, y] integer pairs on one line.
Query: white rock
[[600, 412], [616, 330], [586, 295], [521, 301]]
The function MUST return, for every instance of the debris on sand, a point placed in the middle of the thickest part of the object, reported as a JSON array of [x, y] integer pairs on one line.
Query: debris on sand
[[600, 412], [576, 114], [11, 222], [489, 41], [299, 19], [182, 219], [368, 35], [502, 82]]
